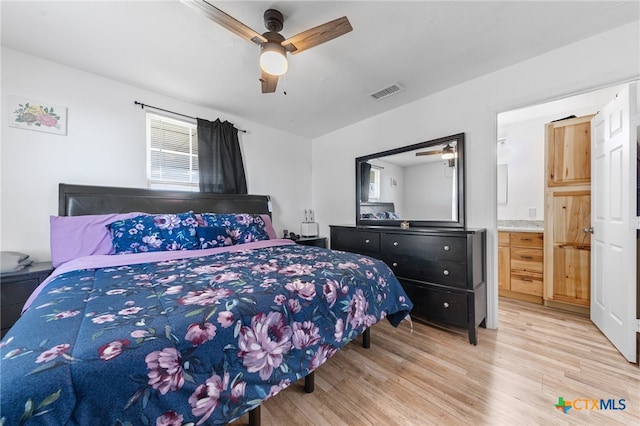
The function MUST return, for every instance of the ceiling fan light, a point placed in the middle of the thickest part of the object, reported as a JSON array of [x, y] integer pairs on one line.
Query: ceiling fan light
[[273, 59], [448, 153]]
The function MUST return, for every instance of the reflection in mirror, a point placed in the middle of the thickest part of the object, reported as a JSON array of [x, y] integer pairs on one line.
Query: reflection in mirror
[[421, 183]]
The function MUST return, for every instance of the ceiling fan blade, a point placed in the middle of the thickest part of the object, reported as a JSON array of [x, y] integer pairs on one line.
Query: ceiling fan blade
[[225, 20], [317, 35], [428, 153], [269, 82]]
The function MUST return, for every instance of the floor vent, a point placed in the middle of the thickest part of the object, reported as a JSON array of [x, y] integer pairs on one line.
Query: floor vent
[[388, 91]]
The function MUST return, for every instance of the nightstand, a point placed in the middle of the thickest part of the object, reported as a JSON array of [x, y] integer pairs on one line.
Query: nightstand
[[15, 289], [313, 241]]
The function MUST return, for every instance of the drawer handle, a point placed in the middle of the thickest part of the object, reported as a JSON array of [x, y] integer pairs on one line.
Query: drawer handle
[[529, 280], [525, 239], [526, 257], [446, 248], [446, 272], [367, 241], [395, 243], [445, 304], [394, 264]]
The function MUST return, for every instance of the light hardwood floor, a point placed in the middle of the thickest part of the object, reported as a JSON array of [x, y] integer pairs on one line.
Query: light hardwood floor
[[433, 376]]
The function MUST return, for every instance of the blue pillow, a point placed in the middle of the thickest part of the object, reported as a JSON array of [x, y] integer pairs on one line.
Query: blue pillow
[[242, 228], [213, 236], [160, 232]]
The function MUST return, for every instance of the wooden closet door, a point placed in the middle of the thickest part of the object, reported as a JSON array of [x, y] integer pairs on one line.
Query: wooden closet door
[[567, 247]]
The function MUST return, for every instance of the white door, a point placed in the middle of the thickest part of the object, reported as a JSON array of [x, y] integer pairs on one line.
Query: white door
[[613, 218]]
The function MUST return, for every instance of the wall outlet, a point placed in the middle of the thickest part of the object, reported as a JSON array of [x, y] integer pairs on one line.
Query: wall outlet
[[532, 212]]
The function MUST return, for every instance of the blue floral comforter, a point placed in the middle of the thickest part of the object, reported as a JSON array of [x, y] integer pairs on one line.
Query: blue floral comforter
[[197, 340]]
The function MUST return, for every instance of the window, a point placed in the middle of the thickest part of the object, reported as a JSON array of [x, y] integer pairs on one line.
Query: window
[[172, 153], [374, 184]]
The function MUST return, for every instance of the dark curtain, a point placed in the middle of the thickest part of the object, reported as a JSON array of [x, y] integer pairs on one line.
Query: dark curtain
[[365, 179], [219, 158]]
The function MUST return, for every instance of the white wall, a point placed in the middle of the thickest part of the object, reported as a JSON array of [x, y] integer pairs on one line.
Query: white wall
[[105, 145], [471, 108], [428, 191]]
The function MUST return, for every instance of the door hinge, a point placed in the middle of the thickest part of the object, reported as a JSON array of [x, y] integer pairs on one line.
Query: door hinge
[[637, 222], [637, 325]]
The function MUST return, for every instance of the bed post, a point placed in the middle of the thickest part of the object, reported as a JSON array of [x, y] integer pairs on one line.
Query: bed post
[[366, 338], [309, 382], [254, 417]]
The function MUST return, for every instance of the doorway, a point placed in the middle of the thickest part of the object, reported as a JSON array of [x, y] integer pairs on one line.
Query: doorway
[[522, 178], [521, 189]]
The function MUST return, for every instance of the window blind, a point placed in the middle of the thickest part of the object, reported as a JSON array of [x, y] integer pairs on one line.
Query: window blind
[[172, 152]]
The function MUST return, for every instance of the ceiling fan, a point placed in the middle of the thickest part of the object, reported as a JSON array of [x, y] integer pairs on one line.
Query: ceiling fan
[[274, 47], [448, 152]]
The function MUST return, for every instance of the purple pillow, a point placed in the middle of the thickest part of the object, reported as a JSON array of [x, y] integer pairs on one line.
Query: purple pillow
[[268, 226], [78, 236]]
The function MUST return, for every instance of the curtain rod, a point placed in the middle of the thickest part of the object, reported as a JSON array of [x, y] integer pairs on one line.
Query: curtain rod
[[171, 112]]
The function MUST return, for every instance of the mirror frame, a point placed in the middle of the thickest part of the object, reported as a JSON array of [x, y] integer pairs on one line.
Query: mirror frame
[[417, 222]]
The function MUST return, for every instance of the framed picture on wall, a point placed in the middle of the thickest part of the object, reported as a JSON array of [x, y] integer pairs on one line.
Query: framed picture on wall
[[37, 115]]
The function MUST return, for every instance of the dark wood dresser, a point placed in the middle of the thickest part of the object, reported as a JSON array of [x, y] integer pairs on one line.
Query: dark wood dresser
[[442, 270], [15, 289]]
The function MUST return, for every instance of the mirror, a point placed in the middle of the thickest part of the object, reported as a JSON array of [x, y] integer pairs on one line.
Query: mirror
[[422, 184]]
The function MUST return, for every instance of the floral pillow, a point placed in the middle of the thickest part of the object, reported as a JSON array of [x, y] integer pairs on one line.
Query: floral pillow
[[213, 236], [241, 228], [160, 232]]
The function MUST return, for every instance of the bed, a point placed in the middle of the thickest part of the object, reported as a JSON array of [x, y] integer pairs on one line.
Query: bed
[[382, 210], [180, 336]]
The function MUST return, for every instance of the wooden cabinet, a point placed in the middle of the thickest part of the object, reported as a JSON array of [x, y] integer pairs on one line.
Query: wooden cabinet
[[442, 271], [520, 266], [567, 247], [526, 262], [504, 262], [15, 289]]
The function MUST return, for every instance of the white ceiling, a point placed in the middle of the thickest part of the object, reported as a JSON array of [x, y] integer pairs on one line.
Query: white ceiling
[[426, 46]]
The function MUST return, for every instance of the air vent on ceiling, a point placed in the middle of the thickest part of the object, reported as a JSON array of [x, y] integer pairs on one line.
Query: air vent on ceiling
[[387, 91]]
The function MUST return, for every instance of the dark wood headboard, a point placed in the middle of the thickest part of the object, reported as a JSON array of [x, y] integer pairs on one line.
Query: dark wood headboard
[[76, 200]]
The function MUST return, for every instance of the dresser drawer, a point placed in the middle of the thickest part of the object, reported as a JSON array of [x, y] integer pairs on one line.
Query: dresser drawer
[[355, 241], [425, 246], [526, 239], [527, 283], [453, 274], [527, 259], [438, 305]]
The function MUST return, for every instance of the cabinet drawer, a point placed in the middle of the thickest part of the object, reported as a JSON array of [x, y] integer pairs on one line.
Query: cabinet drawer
[[526, 239], [355, 241], [16, 292], [438, 305], [425, 246], [526, 283], [433, 271], [527, 259]]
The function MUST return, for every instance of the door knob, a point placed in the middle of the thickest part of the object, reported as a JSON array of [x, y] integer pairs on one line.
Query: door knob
[[588, 230]]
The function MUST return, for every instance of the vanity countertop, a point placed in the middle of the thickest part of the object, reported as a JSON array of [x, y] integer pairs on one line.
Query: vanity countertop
[[521, 225]]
